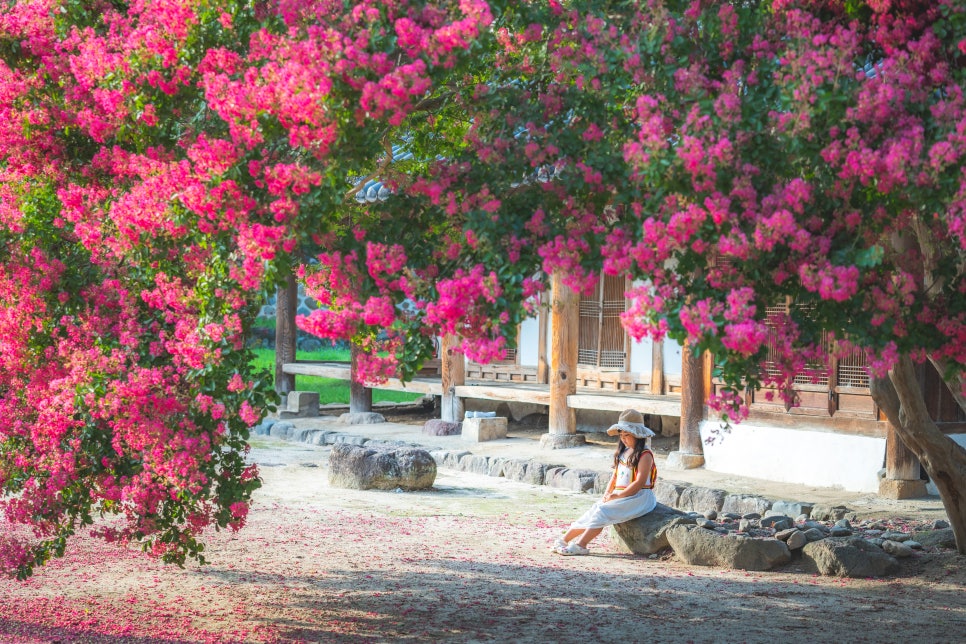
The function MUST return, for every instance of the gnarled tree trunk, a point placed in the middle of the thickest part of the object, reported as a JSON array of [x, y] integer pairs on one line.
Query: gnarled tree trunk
[[901, 399]]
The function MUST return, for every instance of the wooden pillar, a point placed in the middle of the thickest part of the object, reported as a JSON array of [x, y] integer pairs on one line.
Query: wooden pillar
[[360, 396], [657, 367], [564, 330], [286, 302], [901, 470], [543, 366], [453, 375], [690, 452]]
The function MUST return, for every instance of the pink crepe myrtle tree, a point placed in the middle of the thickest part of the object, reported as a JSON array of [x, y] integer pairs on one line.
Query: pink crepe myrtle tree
[[163, 162], [735, 159]]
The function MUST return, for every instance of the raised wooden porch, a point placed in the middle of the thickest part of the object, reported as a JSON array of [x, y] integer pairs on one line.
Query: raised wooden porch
[[591, 398]]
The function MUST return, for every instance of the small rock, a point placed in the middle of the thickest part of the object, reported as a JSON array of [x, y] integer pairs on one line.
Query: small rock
[[751, 515], [782, 535], [707, 523], [745, 525], [801, 518], [939, 524], [896, 536], [796, 540], [915, 545], [839, 531], [843, 523], [896, 549], [877, 541], [711, 514], [438, 427], [777, 521], [731, 516], [814, 534], [817, 525]]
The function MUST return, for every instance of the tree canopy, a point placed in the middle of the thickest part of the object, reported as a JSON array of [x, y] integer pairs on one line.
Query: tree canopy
[[164, 162]]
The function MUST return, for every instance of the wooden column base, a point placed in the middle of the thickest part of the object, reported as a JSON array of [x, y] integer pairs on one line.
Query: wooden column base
[[902, 488], [562, 441]]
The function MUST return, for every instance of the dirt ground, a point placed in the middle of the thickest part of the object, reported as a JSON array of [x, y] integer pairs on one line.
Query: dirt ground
[[464, 562]]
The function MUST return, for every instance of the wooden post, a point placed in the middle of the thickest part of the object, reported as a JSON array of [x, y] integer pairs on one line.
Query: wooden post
[[543, 367], [453, 375], [691, 451], [360, 396], [286, 302], [564, 329], [657, 367], [901, 470]]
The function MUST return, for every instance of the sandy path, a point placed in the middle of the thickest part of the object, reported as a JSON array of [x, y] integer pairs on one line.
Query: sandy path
[[465, 562]]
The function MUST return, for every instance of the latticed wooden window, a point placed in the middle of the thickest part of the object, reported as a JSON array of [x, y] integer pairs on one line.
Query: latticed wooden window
[[602, 340]]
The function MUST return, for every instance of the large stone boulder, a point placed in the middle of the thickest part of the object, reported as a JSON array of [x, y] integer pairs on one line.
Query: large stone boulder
[[701, 547], [942, 538], [848, 557], [646, 535], [381, 468]]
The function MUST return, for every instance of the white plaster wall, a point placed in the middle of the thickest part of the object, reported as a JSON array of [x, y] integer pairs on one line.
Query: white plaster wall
[[528, 347], [641, 358], [821, 459], [672, 357]]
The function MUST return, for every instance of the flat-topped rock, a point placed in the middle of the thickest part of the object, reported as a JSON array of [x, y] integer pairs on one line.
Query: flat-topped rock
[[381, 467]]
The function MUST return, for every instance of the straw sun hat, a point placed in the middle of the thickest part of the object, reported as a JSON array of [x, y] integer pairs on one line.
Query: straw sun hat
[[631, 421]]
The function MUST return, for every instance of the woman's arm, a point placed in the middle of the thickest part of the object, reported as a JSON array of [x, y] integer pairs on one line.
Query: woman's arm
[[640, 476]]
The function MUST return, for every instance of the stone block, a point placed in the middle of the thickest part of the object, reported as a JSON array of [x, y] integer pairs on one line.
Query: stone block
[[790, 508], [562, 441], [669, 492], [478, 430], [438, 427], [745, 503], [568, 478], [902, 488], [362, 418], [701, 499], [301, 404]]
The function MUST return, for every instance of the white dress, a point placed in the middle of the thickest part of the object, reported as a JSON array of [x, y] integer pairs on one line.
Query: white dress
[[620, 510]]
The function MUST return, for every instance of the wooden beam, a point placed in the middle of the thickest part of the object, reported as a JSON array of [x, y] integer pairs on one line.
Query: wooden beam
[[644, 404], [286, 302], [564, 327], [657, 368], [692, 400], [360, 396], [453, 375], [505, 393]]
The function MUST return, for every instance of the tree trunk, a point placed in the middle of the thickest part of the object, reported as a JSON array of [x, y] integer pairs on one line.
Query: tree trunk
[[900, 398]]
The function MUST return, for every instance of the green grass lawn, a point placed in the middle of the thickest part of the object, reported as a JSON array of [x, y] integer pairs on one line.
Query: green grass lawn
[[331, 390]]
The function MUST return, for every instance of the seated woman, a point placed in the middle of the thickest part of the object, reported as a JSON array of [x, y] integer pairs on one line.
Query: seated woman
[[629, 493]]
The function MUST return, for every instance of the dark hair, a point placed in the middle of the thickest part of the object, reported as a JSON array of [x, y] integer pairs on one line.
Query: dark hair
[[635, 457]]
